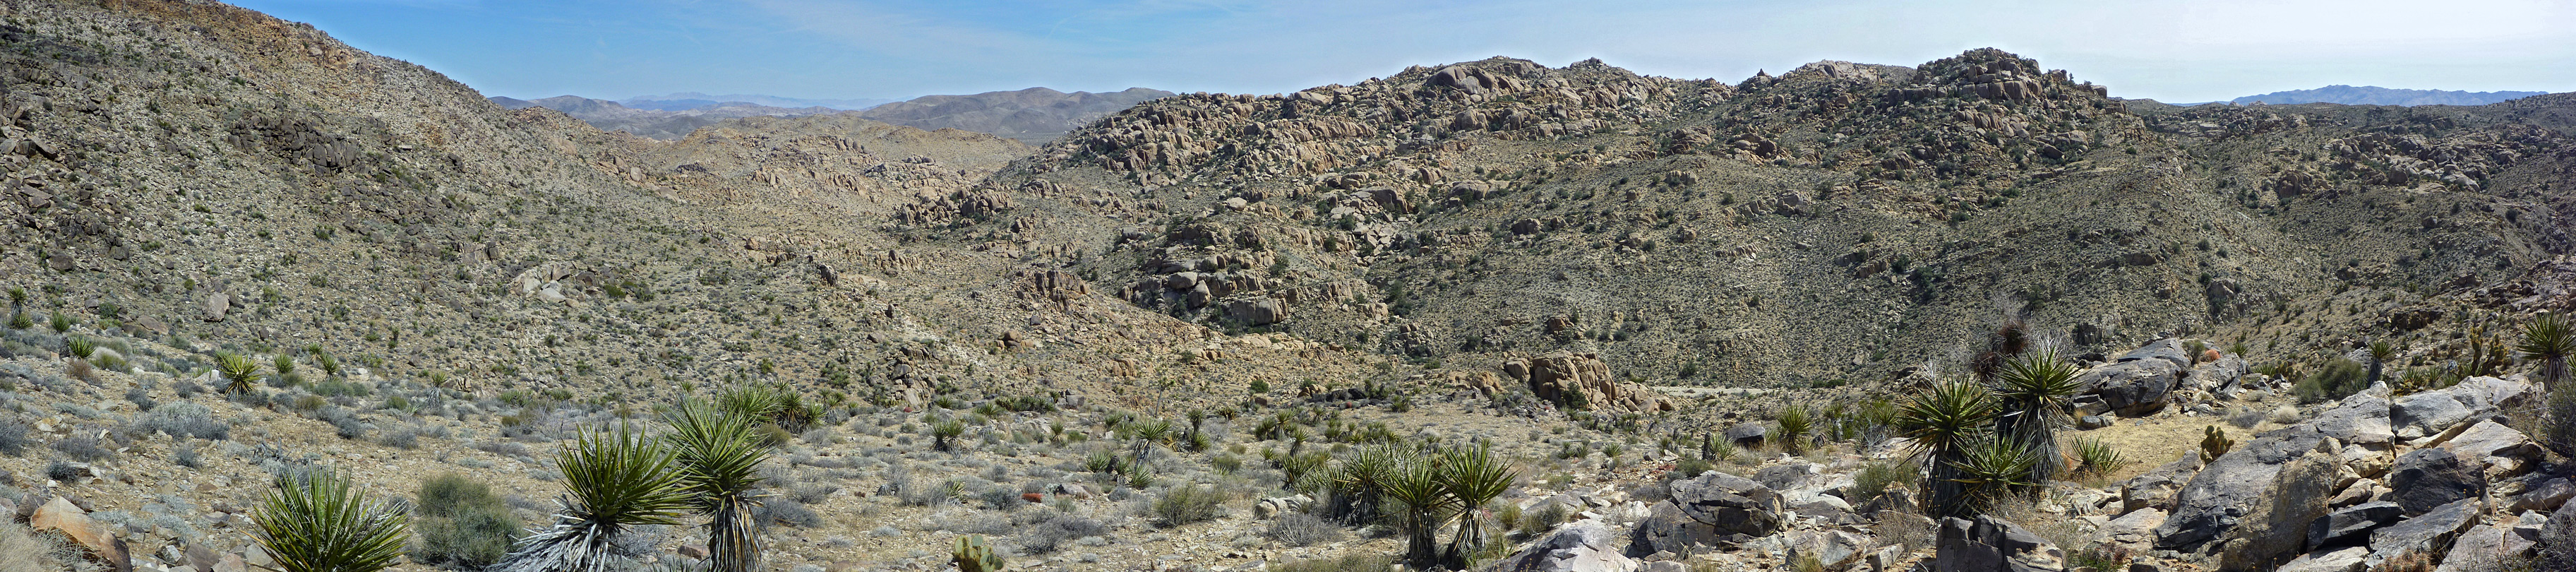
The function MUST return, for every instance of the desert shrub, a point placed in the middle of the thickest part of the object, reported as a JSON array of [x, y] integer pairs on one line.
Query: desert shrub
[[820, 435], [82, 448], [2096, 457], [1875, 478], [1346, 563], [1187, 504], [2244, 417], [13, 436], [62, 471], [2101, 557], [788, 512], [1795, 427], [22, 549], [80, 369], [186, 457], [461, 524], [1538, 521], [2558, 542], [1001, 498], [1689, 468], [2338, 379], [1301, 529], [1046, 536], [343, 422], [184, 420]]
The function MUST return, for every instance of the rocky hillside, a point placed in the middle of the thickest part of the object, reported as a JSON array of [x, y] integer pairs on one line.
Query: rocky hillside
[[1034, 115], [1700, 232], [1179, 336], [2373, 95]]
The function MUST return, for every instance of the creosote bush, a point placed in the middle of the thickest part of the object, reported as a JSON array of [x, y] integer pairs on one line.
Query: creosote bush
[[461, 524]]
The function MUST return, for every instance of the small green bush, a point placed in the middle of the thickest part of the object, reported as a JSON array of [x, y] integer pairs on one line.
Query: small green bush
[[1187, 504], [461, 524], [2338, 379], [1875, 478]]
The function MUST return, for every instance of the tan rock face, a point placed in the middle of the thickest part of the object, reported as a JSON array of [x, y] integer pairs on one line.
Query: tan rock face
[[102, 544], [1583, 381]]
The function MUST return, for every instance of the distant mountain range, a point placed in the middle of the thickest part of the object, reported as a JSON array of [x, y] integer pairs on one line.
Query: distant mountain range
[[692, 100], [2370, 95], [1034, 115]]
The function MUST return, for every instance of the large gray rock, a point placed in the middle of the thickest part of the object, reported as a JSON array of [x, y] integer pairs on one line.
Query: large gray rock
[[2493, 445], [2135, 531], [1786, 476], [2429, 413], [1989, 544], [2488, 548], [2222, 493], [1728, 502], [1747, 435], [2358, 420], [1257, 311], [2354, 559], [2156, 489], [1711, 510], [2428, 478], [1834, 548], [2168, 350], [2219, 376], [2275, 529], [2346, 526], [2429, 534], [2547, 496], [1583, 546], [2132, 388]]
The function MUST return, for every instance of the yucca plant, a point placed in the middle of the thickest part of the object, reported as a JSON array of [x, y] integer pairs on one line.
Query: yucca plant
[[2550, 340], [1939, 427], [2097, 457], [1414, 482], [1991, 471], [617, 481], [1359, 485], [2035, 394], [2380, 352], [81, 346], [757, 402], [1795, 428], [943, 433], [1474, 478], [719, 458], [238, 370], [316, 522]]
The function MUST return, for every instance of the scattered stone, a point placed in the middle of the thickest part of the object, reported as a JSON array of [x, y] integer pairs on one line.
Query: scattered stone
[[1747, 435], [2355, 559], [2348, 524], [1583, 546], [2427, 478], [1989, 544], [2429, 533], [2488, 548], [2547, 496], [2156, 489]]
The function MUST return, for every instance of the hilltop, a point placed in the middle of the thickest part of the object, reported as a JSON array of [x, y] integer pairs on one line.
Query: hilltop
[[2371, 95]]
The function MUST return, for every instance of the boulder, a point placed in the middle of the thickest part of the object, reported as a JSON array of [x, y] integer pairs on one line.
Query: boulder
[[2135, 531], [2359, 420], [100, 540], [2547, 496], [2429, 413], [2223, 492], [2219, 375], [2432, 477], [1786, 476], [1989, 544], [1583, 546], [1275, 506], [1256, 311], [1834, 548], [1747, 435], [2168, 350], [2488, 548], [2354, 559], [1581, 380], [2429, 534], [2275, 528], [2494, 446], [2156, 489], [1731, 503], [2132, 388], [2346, 526], [217, 304]]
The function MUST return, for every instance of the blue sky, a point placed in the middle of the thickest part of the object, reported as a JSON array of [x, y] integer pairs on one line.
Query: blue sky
[[2172, 50]]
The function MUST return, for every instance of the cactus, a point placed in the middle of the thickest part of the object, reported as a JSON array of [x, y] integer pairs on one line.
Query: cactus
[[2214, 442], [973, 555]]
